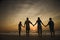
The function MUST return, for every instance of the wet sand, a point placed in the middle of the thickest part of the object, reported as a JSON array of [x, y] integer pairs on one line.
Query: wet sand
[[16, 37]]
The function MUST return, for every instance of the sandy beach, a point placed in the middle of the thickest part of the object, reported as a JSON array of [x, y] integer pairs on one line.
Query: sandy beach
[[16, 37]]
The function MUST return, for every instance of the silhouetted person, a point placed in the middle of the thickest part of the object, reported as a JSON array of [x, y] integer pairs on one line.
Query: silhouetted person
[[39, 26], [19, 28], [27, 24], [51, 27]]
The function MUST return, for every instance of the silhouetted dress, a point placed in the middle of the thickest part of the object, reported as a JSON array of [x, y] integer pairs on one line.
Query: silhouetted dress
[[19, 28], [39, 26]]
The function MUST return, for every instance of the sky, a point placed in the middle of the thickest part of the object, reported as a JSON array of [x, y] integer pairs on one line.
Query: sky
[[14, 11]]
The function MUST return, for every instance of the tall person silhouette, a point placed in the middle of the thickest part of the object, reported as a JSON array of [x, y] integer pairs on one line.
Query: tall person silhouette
[[27, 24], [39, 26], [51, 27], [19, 27]]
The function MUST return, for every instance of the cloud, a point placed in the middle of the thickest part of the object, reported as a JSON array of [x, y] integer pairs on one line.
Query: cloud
[[57, 17], [12, 11]]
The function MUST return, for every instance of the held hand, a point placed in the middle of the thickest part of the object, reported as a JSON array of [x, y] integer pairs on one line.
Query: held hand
[[23, 26], [45, 25], [33, 25]]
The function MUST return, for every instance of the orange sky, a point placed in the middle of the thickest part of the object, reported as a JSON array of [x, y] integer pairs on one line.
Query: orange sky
[[12, 12]]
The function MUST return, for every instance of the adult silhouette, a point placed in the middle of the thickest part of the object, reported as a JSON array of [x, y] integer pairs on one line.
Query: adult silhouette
[[27, 24], [51, 27], [39, 26], [19, 27]]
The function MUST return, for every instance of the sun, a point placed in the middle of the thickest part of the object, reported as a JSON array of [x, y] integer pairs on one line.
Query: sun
[[34, 29]]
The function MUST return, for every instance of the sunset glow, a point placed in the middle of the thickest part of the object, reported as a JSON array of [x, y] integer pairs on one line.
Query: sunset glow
[[14, 12]]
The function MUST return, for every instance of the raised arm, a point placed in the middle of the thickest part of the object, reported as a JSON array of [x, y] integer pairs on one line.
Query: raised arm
[[31, 23], [35, 23], [42, 24], [47, 24]]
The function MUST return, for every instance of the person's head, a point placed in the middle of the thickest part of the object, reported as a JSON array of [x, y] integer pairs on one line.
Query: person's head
[[27, 18], [50, 19], [38, 18], [20, 22]]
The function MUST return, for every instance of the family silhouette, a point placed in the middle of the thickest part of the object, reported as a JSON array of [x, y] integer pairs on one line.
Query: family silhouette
[[39, 26]]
